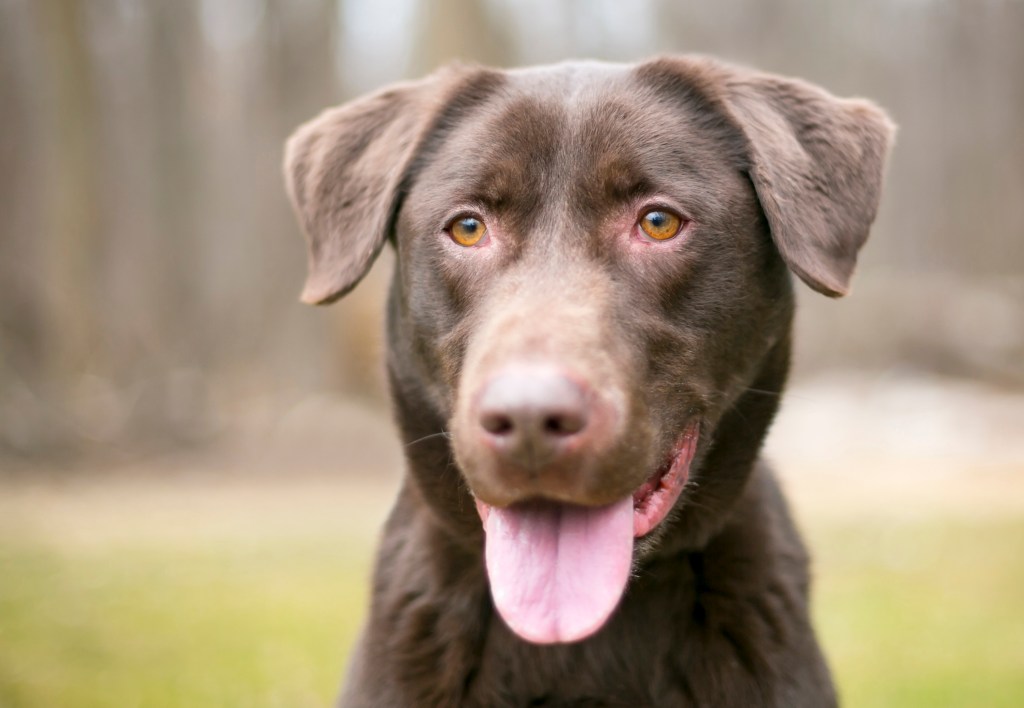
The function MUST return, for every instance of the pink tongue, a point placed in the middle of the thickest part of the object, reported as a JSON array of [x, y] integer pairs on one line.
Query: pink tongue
[[557, 571]]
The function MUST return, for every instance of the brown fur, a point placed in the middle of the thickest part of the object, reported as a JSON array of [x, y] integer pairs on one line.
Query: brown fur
[[774, 176]]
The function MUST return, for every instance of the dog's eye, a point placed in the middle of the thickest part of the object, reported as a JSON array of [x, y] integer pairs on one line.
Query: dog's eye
[[466, 230], [660, 225]]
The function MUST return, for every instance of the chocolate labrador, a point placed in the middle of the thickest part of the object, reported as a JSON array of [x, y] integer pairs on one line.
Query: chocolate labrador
[[588, 329]]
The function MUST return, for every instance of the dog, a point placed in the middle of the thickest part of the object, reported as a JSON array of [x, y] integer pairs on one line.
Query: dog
[[588, 327]]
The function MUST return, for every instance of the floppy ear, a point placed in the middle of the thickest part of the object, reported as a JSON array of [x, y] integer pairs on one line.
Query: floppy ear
[[344, 171], [816, 162]]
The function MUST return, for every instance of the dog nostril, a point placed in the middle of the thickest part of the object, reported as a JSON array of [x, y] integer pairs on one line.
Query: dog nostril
[[564, 424], [531, 409], [496, 423]]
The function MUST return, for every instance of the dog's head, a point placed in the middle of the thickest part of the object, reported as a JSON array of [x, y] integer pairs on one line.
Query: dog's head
[[592, 271]]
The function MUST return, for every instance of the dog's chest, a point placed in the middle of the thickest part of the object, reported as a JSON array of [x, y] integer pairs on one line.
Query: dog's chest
[[621, 666]]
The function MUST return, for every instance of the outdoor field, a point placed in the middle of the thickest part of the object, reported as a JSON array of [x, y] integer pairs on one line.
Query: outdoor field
[[184, 584], [194, 465]]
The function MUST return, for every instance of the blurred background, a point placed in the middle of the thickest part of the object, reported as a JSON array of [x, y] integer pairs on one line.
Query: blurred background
[[193, 466]]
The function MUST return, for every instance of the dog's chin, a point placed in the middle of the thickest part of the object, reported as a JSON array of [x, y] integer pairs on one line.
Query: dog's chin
[[558, 570]]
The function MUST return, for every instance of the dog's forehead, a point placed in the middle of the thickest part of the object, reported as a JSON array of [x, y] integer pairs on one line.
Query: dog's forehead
[[568, 80], [608, 107], [593, 132], [576, 100]]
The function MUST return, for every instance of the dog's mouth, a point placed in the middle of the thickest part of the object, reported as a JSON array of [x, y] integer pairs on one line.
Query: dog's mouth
[[658, 495], [557, 571]]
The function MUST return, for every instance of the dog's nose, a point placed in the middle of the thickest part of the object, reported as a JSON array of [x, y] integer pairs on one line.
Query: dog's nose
[[528, 416]]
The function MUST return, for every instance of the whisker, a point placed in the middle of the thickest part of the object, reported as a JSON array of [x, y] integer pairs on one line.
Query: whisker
[[763, 392], [443, 433]]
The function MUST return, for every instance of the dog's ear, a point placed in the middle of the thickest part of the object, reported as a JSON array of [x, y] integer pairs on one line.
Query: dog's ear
[[345, 168], [342, 171], [816, 162]]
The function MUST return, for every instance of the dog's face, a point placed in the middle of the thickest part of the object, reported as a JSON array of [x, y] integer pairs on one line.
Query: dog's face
[[592, 268]]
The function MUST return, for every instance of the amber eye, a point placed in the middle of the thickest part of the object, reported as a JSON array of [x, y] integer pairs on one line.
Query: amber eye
[[660, 225], [467, 230]]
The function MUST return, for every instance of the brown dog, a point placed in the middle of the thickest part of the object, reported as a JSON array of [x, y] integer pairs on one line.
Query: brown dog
[[588, 326]]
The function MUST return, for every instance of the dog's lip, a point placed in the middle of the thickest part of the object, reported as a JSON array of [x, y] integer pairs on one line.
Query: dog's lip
[[655, 498]]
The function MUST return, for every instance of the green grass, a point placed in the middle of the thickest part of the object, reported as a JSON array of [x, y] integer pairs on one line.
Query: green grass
[[221, 626], [923, 614], [915, 614]]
